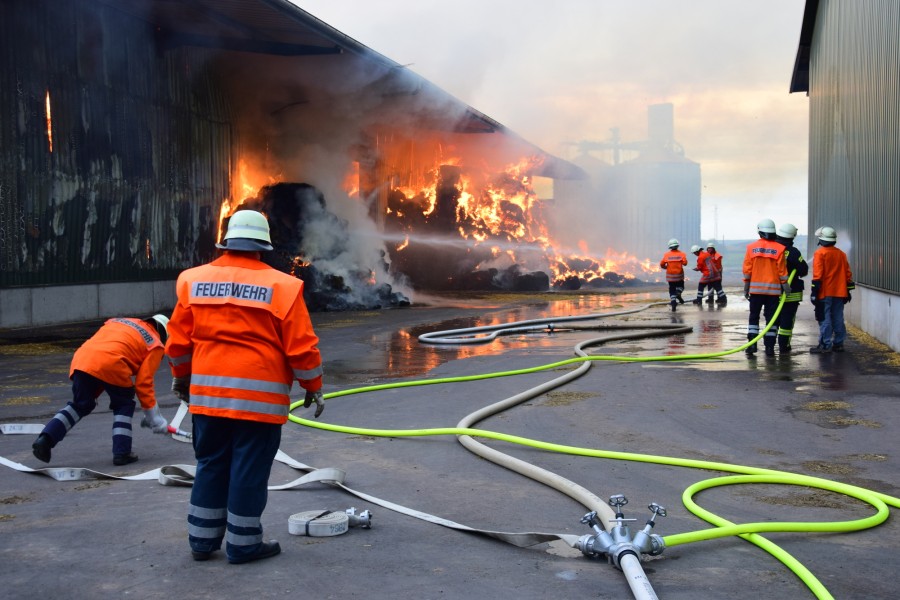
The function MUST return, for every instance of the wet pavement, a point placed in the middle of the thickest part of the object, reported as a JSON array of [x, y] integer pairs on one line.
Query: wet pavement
[[832, 416]]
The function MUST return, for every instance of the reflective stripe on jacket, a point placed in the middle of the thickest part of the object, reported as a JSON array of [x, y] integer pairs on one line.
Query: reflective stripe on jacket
[[674, 262], [125, 352], [832, 271], [241, 330], [794, 261], [710, 266], [765, 267]]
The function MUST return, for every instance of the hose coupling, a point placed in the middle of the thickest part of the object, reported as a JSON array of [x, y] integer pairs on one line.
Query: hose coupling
[[618, 542], [363, 519]]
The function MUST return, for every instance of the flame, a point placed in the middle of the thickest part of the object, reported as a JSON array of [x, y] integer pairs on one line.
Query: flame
[[500, 210], [49, 121]]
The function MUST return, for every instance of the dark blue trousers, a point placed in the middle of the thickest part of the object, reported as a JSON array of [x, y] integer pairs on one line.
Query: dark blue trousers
[[234, 460], [85, 391]]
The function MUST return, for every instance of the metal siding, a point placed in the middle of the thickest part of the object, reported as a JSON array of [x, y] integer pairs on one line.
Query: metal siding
[[855, 134], [142, 148]]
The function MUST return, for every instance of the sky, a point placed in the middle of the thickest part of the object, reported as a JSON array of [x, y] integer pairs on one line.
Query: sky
[[571, 70]]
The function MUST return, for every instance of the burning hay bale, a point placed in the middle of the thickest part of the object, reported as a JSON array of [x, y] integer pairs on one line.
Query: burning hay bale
[[313, 244]]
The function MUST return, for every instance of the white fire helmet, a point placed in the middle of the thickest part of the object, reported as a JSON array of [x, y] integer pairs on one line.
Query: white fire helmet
[[673, 243], [163, 323], [827, 234], [248, 230], [766, 226], [710, 244], [787, 231], [695, 248]]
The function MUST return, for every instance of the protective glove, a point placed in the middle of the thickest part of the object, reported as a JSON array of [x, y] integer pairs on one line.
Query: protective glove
[[317, 398], [848, 298], [814, 293], [155, 421], [786, 288], [181, 387], [747, 290]]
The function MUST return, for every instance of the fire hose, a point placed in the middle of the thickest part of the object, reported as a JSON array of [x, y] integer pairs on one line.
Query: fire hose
[[748, 531]]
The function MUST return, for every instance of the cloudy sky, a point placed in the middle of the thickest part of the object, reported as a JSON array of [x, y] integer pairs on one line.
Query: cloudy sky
[[570, 70]]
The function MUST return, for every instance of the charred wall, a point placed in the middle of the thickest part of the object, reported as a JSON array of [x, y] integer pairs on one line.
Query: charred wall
[[141, 155]]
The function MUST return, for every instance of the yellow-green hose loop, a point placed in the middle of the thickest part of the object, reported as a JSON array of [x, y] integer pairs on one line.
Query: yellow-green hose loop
[[751, 474], [749, 531]]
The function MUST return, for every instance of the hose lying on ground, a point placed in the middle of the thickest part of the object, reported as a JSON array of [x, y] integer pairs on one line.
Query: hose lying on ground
[[466, 435]]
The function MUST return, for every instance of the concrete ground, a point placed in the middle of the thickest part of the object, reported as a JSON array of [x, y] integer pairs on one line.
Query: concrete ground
[[832, 416]]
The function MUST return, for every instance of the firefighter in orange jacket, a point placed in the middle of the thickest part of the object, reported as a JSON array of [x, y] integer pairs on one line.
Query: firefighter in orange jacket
[[239, 336], [121, 359], [765, 279], [674, 262], [714, 265], [831, 285]]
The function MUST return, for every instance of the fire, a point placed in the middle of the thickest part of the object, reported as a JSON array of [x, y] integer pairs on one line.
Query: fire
[[49, 121], [498, 213]]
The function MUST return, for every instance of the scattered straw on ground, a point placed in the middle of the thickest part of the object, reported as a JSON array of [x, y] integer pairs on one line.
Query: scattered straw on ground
[[558, 398], [24, 401], [830, 468], [833, 405], [41, 349]]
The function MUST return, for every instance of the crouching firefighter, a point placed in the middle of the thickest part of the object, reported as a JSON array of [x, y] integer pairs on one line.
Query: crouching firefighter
[[239, 336], [121, 358]]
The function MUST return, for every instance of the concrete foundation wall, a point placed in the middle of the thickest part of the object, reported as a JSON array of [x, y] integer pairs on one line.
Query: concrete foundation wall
[[53, 305], [877, 313]]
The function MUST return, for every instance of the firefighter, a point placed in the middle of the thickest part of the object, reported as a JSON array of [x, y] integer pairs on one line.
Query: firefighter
[[785, 235], [239, 336], [832, 283], [715, 275], [121, 358], [703, 268], [674, 262], [765, 279]]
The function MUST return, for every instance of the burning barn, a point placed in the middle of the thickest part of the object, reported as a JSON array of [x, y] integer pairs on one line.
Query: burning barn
[[134, 128]]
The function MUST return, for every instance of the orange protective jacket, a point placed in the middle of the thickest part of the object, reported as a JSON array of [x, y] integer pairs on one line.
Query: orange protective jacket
[[715, 266], [674, 262], [765, 267], [241, 330], [831, 272], [125, 352]]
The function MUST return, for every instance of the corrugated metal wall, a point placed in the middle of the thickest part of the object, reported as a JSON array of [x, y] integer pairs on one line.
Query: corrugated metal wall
[[142, 148], [854, 92]]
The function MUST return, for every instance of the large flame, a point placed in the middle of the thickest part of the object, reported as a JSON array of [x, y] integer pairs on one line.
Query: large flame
[[502, 212]]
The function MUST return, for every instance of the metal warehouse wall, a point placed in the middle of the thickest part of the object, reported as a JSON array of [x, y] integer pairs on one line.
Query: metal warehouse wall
[[142, 148], [855, 134]]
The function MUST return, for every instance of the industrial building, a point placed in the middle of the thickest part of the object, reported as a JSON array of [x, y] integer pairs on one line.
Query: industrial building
[[649, 190], [847, 63], [132, 127]]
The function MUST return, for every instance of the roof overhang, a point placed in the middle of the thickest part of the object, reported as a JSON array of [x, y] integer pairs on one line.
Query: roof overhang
[[800, 76], [281, 28]]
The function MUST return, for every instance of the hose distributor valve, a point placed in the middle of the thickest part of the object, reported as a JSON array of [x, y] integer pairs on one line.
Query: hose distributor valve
[[618, 541]]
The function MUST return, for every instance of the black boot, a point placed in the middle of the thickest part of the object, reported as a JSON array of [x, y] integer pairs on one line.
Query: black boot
[[41, 448], [124, 459]]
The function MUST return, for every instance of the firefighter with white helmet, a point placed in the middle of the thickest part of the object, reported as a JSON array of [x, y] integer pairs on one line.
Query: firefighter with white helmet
[[765, 279], [714, 279], [832, 283], [121, 358], [674, 262], [785, 235], [240, 335]]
